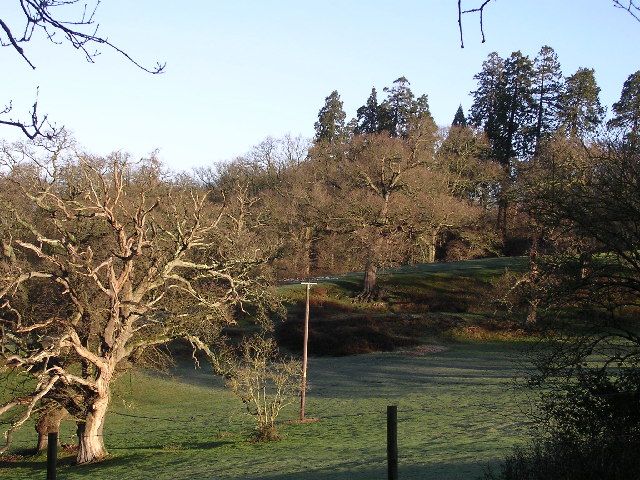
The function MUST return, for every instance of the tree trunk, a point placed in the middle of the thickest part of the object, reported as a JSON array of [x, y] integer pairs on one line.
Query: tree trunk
[[311, 252], [534, 275], [90, 439], [370, 286], [502, 218], [370, 279], [48, 423], [431, 247], [585, 264], [532, 314]]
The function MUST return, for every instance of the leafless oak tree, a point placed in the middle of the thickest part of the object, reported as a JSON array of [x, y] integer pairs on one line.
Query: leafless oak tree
[[102, 261]]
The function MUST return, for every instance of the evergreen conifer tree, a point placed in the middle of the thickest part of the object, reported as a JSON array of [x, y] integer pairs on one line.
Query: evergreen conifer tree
[[503, 105], [397, 108], [547, 88], [459, 120], [580, 111], [520, 105], [487, 110], [330, 126], [368, 115], [627, 110]]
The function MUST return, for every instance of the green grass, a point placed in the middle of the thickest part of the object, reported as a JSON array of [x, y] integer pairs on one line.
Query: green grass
[[413, 302], [453, 285], [457, 411]]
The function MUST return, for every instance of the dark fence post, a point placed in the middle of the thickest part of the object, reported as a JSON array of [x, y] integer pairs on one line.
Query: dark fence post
[[52, 455], [392, 442]]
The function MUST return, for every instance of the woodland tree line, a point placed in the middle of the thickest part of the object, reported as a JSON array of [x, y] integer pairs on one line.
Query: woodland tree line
[[389, 187], [104, 259]]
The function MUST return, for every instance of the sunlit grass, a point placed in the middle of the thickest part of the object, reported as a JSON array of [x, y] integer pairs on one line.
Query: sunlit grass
[[458, 408], [457, 411]]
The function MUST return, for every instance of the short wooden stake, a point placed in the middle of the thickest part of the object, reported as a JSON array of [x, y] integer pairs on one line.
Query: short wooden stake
[[392, 442], [52, 455]]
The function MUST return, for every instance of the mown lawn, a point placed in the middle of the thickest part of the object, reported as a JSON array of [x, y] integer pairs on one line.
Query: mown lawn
[[457, 408]]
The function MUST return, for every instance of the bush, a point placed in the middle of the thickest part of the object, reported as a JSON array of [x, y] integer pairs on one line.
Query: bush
[[264, 382], [588, 431]]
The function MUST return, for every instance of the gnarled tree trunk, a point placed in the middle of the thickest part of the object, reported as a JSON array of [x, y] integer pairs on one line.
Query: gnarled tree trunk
[[90, 439], [49, 422]]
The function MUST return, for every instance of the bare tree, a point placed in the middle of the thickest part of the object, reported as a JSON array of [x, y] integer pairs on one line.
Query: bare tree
[[376, 175], [104, 260], [62, 22], [265, 382]]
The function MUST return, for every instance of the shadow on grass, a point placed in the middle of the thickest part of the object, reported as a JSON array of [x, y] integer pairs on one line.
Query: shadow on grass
[[36, 465], [357, 471], [177, 446], [396, 374]]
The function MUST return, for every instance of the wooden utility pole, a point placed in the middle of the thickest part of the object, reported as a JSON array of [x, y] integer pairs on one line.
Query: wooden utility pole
[[303, 387]]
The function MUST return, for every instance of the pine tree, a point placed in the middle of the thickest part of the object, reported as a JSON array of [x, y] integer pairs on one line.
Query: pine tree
[[401, 113], [330, 126], [368, 115], [520, 105], [547, 87], [398, 108], [488, 110], [503, 105], [627, 110], [459, 120], [580, 111]]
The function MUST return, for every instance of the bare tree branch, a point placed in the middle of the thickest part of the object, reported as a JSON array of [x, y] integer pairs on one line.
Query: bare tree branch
[[109, 261], [49, 18], [631, 6], [479, 10]]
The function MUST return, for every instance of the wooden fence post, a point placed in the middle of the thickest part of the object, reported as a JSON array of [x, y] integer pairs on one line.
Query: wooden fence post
[[392, 442], [52, 455]]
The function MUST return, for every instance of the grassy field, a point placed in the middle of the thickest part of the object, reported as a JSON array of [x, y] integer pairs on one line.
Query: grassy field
[[458, 408], [457, 412]]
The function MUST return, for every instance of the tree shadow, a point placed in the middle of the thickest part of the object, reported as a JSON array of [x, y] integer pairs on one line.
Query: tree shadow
[[177, 446], [354, 471]]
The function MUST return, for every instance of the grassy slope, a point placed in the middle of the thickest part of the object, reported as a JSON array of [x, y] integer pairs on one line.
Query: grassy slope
[[413, 303], [457, 411], [420, 282]]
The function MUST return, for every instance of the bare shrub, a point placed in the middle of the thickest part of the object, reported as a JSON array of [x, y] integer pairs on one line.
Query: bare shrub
[[265, 382]]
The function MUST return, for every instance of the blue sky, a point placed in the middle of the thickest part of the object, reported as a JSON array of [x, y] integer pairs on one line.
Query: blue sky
[[240, 70]]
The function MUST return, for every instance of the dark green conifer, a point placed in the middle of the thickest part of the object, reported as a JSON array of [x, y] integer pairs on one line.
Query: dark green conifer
[[330, 126], [627, 110], [459, 120], [547, 88], [368, 115], [397, 108], [580, 111]]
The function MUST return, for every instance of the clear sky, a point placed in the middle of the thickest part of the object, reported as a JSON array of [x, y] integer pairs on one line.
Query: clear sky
[[240, 70]]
